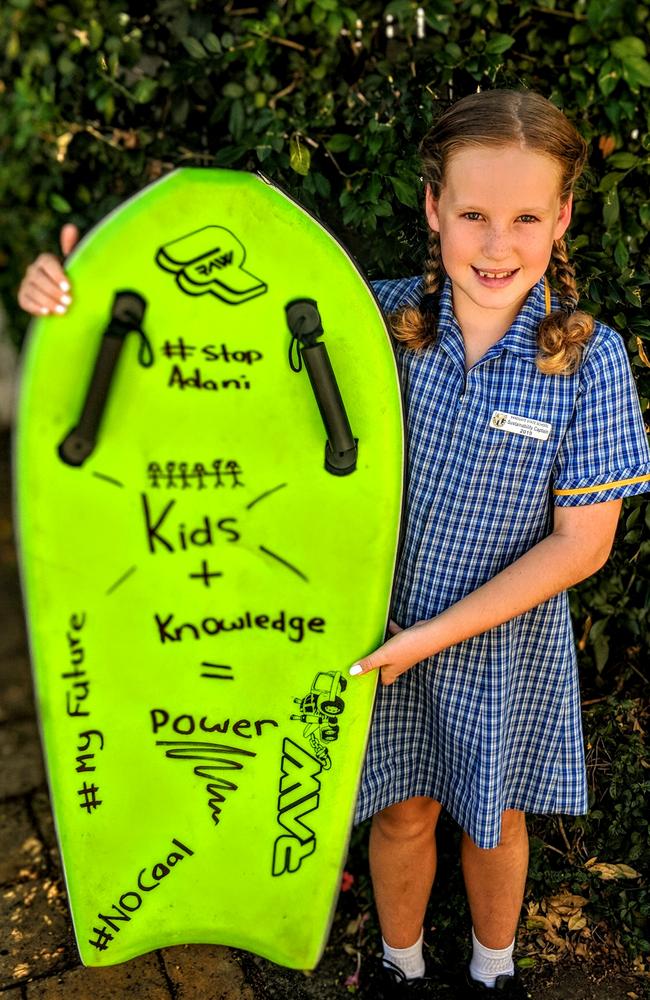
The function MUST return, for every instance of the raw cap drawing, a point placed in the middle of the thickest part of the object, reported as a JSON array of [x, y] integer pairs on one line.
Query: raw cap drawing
[[211, 260]]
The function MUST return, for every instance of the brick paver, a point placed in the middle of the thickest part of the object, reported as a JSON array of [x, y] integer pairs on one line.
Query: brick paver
[[21, 763], [21, 850], [140, 979], [35, 938], [205, 972]]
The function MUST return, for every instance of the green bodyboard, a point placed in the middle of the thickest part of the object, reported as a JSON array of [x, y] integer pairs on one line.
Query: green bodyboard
[[198, 584]]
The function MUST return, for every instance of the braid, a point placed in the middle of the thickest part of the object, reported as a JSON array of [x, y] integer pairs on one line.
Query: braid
[[415, 327], [563, 334], [564, 275]]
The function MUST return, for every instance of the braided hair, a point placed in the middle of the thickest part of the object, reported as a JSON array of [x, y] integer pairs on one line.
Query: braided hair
[[496, 118]]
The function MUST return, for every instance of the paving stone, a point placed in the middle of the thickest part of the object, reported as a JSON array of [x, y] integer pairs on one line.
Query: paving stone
[[13, 636], [36, 934], [21, 763], [205, 971], [40, 802], [16, 693], [21, 850], [139, 979]]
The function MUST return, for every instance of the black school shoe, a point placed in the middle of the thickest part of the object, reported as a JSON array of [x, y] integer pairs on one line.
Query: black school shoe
[[392, 984], [505, 986]]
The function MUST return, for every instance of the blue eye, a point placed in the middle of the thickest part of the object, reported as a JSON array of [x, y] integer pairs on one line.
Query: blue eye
[[472, 216], [528, 218]]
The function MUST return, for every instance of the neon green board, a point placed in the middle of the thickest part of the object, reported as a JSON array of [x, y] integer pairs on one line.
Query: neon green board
[[197, 582]]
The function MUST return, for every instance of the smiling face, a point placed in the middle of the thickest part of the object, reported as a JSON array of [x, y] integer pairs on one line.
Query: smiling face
[[498, 214]]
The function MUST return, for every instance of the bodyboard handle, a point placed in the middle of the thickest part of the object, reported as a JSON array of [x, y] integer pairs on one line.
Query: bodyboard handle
[[127, 314], [306, 327]]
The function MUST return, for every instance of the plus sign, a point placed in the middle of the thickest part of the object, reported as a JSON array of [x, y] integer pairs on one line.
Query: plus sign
[[204, 574]]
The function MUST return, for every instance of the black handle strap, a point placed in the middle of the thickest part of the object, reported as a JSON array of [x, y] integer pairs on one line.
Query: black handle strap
[[306, 327], [127, 314]]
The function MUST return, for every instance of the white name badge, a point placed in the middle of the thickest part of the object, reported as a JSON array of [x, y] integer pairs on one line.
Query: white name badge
[[525, 426]]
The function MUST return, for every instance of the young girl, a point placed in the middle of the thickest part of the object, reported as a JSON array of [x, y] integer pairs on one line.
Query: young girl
[[524, 435]]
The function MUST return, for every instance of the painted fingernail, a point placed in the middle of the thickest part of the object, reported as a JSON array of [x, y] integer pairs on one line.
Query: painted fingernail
[[65, 300], [44, 310], [64, 286], [355, 669], [59, 309]]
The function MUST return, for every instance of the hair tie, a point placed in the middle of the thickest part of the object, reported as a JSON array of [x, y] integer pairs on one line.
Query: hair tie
[[428, 303], [569, 306]]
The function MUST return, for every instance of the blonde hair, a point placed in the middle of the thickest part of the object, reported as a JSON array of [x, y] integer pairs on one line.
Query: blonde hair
[[496, 118]]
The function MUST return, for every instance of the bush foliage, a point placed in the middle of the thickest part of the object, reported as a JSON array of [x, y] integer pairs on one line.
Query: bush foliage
[[99, 98]]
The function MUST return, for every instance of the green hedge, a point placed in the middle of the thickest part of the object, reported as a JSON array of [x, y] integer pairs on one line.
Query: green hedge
[[98, 98]]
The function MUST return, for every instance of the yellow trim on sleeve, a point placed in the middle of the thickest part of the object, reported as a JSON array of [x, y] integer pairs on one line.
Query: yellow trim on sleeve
[[603, 486]]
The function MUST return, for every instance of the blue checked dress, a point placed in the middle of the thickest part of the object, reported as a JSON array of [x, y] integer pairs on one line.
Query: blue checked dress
[[493, 723]]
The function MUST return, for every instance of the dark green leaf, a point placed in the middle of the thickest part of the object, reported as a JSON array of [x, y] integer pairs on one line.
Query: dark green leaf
[[499, 43], [637, 72], [339, 142], [145, 90], [628, 47], [59, 203], [233, 90], [611, 208], [405, 192], [194, 48], [623, 160], [212, 43]]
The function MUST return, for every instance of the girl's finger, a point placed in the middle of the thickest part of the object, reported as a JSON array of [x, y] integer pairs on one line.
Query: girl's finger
[[394, 628], [39, 303], [68, 238], [364, 666], [48, 273]]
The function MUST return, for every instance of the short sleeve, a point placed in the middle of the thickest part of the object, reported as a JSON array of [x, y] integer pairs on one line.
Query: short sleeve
[[604, 454], [392, 294]]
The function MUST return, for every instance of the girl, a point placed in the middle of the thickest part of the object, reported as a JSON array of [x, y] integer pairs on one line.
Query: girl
[[524, 435]]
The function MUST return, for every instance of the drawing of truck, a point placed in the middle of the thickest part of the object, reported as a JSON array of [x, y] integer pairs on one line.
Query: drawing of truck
[[319, 710]]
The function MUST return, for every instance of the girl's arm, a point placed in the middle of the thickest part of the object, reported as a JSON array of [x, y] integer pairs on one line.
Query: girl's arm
[[579, 544]]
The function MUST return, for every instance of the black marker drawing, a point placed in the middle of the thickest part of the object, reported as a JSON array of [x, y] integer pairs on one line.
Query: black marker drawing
[[219, 668], [108, 479], [89, 795], [205, 574], [120, 581], [319, 710], [218, 757], [300, 787], [197, 380], [274, 555], [180, 474], [298, 795], [263, 496], [149, 879], [210, 260], [165, 534], [178, 350]]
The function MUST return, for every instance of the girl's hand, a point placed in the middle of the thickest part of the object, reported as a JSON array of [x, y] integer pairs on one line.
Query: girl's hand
[[45, 288], [403, 650]]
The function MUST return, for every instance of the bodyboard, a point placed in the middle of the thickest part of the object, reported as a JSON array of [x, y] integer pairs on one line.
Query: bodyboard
[[202, 559]]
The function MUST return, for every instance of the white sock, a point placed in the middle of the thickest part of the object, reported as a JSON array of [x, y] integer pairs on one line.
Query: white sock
[[488, 963], [409, 960]]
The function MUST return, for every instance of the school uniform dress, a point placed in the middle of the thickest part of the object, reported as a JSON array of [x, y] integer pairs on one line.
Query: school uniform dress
[[493, 723]]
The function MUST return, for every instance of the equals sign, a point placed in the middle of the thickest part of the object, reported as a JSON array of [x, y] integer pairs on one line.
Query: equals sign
[[220, 675]]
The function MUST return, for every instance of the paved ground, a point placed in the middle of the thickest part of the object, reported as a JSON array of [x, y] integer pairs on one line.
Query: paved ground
[[38, 957]]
